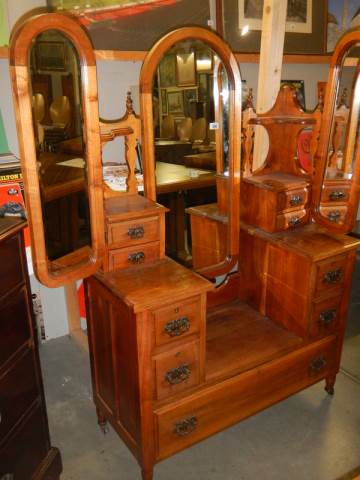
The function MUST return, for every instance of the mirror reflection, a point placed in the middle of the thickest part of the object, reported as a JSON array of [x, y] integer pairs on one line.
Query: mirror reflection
[[344, 138], [61, 159], [190, 112]]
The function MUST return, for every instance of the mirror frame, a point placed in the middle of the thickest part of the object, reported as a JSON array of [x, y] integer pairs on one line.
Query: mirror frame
[[147, 73], [344, 45], [84, 261]]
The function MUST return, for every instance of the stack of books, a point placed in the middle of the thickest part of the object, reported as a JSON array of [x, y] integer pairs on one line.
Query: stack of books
[[11, 187]]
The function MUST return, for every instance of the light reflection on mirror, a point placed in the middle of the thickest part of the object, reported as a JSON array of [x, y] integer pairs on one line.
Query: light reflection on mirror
[[343, 141], [61, 157], [191, 124]]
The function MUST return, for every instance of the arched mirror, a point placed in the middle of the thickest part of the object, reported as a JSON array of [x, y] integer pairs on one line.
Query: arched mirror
[[337, 169], [54, 83], [190, 90]]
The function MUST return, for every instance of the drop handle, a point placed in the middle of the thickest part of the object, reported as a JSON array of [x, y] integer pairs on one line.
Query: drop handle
[[334, 216], [296, 200], [178, 375], [336, 195], [294, 221], [186, 426], [177, 327], [136, 232], [137, 257], [316, 365], [327, 316], [333, 276]]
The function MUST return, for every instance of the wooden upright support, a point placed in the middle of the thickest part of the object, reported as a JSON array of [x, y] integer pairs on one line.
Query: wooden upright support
[[271, 55]]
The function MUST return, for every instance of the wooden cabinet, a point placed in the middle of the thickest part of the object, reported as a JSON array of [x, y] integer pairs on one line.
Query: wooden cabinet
[[25, 450]]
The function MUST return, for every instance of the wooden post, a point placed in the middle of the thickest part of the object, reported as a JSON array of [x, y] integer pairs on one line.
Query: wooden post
[[271, 55]]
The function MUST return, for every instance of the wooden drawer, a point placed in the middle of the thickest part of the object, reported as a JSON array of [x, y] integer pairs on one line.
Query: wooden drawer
[[177, 370], [143, 230], [339, 193], [335, 213], [12, 272], [204, 413], [330, 275], [18, 391], [139, 254], [325, 317], [15, 329], [293, 219], [177, 321], [25, 450], [295, 199]]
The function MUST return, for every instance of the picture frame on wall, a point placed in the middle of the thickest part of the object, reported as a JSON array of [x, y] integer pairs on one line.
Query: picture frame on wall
[[185, 69], [190, 97], [50, 56], [167, 71], [175, 102], [312, 40]]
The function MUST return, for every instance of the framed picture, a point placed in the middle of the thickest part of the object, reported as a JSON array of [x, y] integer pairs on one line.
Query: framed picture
[[185, 69], [50, 56], [299, 85], [164, 106], [305, 27], [190, 97], [167, 71], [298, 19], [175, 103]]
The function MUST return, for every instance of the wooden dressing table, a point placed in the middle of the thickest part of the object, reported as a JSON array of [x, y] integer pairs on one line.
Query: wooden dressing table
[[173, 358]]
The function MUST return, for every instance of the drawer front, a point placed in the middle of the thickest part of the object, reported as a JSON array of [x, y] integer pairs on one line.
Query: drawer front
[[285, 221], [330, 275], [325, 317], [295, 199], [124, 234], [335, 193], [215, 408], [12, 273], [139, 254], [177, 370], [26, 449], [15, 327], [335, 214], [18, 391], [177, 321]]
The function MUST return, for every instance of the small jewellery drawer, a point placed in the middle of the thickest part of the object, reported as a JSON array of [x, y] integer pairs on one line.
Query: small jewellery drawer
[[11, 264], [293, 219], [330, 275], [177, 370], [335, 193], [14, 323], [177, 321], [128, 233], [18, 391], [292, 199], [335, 213], [185, 422], [325, 317], [136, 255]]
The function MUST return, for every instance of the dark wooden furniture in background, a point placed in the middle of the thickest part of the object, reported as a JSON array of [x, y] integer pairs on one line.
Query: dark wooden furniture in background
[[25, 449]]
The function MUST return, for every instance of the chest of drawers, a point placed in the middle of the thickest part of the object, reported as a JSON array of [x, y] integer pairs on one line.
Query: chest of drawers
[[25, 450]]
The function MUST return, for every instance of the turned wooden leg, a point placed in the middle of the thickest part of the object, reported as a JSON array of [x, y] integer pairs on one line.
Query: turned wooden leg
[[102, 422], [329, 384], [147, 474]]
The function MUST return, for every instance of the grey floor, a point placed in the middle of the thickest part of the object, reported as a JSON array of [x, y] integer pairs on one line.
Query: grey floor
[[310, 436]]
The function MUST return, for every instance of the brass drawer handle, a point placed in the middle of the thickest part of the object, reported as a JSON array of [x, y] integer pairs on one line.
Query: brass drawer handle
[[137, 257], [327, 316], [294, 221], [136, 232], [177, 327], [178, 375], [334, 216], [186, 426], [336, 195], [333, 276], [296, 200], [317, 365]]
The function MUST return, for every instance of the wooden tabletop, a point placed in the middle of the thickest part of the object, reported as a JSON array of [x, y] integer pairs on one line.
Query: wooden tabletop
[[171, 178], [205, 160]]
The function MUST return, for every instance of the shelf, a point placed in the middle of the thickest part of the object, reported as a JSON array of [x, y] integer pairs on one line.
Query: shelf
[[239, 338]]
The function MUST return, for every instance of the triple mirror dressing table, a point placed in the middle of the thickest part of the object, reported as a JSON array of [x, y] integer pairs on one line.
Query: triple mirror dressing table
[[174, 358]]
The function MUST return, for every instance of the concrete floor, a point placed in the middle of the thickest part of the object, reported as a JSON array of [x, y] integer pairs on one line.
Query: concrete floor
[[309, 436]]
